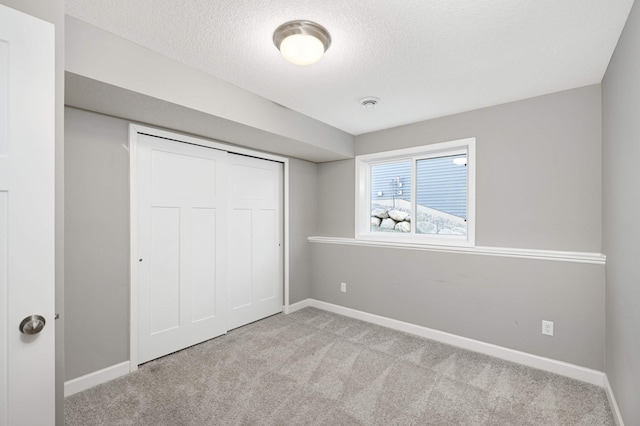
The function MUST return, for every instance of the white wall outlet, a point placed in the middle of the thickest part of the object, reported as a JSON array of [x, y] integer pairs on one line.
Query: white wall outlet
[[343, 287], [547, 328]]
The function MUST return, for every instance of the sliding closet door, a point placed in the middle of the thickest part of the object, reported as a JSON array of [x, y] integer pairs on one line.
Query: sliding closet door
[[255, 239], [182, 234]]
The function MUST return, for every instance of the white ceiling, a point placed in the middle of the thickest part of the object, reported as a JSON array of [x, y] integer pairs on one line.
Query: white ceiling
[[423, 59]]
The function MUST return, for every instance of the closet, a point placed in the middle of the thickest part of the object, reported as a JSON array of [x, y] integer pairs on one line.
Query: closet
[[208, 243]]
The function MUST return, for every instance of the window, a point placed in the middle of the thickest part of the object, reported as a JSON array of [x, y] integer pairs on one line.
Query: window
[[422, 195]]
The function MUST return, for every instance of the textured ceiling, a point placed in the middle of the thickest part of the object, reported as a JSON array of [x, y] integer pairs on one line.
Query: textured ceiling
[[423, 59]]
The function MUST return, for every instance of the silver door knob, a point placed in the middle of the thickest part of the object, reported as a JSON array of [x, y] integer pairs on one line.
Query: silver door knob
[[33, 324]]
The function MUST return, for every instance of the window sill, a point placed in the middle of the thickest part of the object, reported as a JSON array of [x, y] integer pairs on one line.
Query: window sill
[[420, 240], [561, 256]]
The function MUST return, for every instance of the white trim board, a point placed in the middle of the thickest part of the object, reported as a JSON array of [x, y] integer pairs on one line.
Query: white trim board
[[286, 215], [289, 309], [133, 247], [612, 402], [561, 256], [96, 378], [573, 371]]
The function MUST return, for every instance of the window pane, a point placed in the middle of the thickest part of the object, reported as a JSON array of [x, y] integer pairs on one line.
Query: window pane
[[442, 195], [391, 197]]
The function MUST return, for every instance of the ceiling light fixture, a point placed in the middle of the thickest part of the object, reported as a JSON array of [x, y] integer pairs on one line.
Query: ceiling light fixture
[[301, 42]]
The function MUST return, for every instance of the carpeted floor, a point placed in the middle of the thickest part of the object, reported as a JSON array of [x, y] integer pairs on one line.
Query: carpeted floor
[[317, 368]]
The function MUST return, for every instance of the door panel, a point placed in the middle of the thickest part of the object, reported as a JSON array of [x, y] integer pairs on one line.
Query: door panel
[[254, 182], [255, 240], [27, 141], [174, 173], [182, 242], [240, 258], [4, 96], [4, 307], [265, 257], [203, 238], [164, 273]]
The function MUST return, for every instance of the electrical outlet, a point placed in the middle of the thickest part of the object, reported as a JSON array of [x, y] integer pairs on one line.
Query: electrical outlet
[[343, 287], [547, 328]]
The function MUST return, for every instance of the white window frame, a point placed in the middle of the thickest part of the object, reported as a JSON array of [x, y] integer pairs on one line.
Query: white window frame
[[363, 193]]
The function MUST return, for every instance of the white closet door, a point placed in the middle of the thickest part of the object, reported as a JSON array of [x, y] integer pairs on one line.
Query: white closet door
[[255, 239], [182, 225]]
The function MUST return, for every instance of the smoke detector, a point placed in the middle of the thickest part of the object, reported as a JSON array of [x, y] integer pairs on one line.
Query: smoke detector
[[369, 102]]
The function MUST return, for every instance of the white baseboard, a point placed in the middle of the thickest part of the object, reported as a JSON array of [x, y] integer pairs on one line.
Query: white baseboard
[[297, 306], [612, 402], [558, 367], [96, 378]]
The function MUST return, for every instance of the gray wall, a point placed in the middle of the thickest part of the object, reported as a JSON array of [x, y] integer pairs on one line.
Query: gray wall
[[538, 186], [97, 239], [538, 168], [303, 213], [53, 11], [621, 187], [492, 299], [336, 198]]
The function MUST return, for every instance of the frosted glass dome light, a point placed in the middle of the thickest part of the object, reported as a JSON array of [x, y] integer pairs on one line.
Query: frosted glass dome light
[[302, 42]]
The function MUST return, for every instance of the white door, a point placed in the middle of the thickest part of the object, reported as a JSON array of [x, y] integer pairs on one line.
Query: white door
[[181, 238], [27, 125], [255, 239]]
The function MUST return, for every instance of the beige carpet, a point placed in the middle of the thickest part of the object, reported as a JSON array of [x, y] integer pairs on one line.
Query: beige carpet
[[318, 368]]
